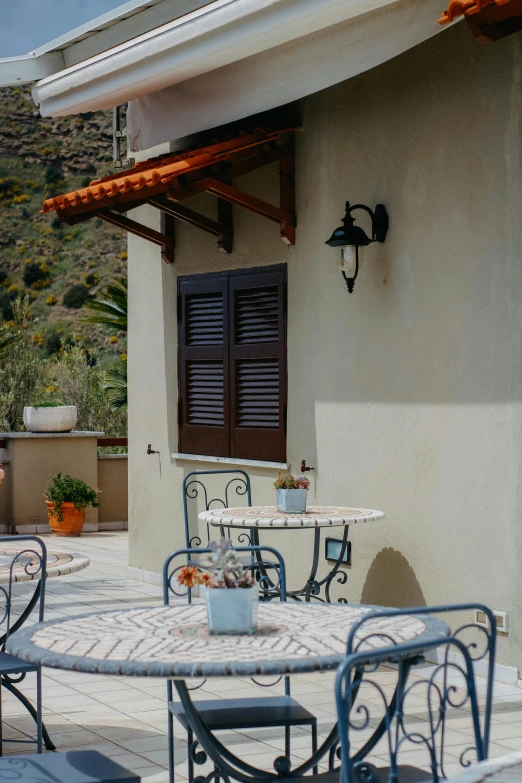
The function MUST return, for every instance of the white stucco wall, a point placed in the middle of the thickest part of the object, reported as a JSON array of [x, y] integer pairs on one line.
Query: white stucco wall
[[406, 395]]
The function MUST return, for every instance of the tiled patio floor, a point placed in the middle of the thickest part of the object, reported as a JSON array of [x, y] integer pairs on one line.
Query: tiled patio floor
[[126, 718]]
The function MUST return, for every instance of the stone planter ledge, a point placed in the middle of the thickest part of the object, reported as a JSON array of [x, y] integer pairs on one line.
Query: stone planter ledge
[[73, 434]]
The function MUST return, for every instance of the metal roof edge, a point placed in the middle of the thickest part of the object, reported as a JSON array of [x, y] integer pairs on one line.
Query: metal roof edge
[[29, 68], [95, 25]]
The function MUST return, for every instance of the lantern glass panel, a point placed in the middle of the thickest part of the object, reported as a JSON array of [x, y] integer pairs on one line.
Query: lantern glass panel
[[346, 259]]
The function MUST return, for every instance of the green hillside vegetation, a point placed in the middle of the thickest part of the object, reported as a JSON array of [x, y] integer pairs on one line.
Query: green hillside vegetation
[[56, 266]]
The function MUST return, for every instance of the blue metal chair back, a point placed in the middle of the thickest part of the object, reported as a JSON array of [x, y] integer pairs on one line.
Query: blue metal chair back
[[257, 562], [450, 684], [33, 560], [237, 487]]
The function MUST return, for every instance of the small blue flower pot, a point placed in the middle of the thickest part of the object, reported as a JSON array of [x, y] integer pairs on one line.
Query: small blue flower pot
[[291, 501]]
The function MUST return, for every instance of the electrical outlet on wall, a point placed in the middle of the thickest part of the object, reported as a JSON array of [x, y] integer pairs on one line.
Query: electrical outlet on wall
[[502, 620]]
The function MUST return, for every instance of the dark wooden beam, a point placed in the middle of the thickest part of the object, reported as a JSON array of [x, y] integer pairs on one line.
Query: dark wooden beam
[[168, 229], [188, 215], [242, 199], [222, 228], [144, 232], [263, 158], [224, 211], [287, 196], [73, 220], [225, 241]]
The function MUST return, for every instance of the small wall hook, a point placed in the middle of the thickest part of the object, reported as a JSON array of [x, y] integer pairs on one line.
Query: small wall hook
[[150, 450], [304, 467]]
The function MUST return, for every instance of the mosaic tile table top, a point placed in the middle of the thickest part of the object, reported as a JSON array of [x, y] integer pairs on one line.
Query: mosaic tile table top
[[269, 516], [505, 769], [173, 641], [26, 566]]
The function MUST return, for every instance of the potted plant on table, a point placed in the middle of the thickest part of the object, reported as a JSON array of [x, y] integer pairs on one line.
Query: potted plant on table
[[67, 499], [291, 493], [50, 417], [231, 591]]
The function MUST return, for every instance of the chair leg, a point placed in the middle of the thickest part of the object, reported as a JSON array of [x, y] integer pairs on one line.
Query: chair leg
[[31, 710], [314, 744], [170, 730], [190, 740], [287, 742], [1, 723], [39, 724]]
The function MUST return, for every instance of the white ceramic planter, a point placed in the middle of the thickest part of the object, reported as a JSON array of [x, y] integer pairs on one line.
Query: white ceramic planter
[[232, 611], [291, 501], [60, 419]]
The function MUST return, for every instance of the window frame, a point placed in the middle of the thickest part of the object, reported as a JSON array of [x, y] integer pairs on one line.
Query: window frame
[[278, 437]]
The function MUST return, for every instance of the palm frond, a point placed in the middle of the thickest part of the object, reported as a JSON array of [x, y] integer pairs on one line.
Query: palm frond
[[112, 306], [116, 388]]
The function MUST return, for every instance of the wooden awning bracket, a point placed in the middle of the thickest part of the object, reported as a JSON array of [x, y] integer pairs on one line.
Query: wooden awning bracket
[[216, 180], [167, 229], [219, 228]]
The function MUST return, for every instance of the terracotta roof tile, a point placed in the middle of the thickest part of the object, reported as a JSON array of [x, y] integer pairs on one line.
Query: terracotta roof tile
[[487, 19], [164, 169]]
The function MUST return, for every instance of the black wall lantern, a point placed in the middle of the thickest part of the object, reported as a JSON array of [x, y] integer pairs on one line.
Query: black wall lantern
[[350, 240]]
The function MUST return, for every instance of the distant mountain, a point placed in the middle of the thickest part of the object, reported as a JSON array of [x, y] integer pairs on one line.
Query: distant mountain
[[56, 265]]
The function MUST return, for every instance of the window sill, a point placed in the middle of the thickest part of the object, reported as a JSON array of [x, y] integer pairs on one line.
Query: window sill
[[252, 463]]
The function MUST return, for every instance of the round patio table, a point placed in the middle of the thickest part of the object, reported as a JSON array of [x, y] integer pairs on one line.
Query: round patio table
[[58, 564], [173, 642], [316, 518], [504, 769]]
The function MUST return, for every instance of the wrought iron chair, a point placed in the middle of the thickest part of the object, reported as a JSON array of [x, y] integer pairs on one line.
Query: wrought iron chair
[[451, 684], [12, 669], [194, 488], [234, 714]]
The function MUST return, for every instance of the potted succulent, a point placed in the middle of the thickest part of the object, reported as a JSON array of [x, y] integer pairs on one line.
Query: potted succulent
[[291, 493], [50, 417], [67, 499], [231, 591]]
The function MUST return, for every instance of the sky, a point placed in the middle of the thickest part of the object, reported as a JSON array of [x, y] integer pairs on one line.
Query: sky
[[27, 24]]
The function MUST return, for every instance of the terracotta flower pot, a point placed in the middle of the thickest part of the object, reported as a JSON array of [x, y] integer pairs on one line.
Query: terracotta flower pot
[[72, 519]]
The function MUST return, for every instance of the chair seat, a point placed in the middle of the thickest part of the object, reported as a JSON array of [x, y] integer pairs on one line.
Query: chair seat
[[10, 664], [76, 766], [247, 713]]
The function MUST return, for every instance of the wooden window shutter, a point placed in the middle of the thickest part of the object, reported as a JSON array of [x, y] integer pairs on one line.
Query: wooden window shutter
[[257, 329], [204, 411]]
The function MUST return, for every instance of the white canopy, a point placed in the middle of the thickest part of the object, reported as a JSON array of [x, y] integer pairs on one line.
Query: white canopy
[[372, 32]]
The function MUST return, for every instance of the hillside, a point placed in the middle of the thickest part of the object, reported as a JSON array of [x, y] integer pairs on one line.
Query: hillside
[[57, 266]]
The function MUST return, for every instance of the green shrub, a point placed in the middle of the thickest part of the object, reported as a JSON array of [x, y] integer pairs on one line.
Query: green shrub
[[9, 187], [67, 489], [91, 279], [52, 175], [46, 404], [36, 274], [76, 296], [20, 371], [4, 277], [78, 380], [6, 306], [52, 343]]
